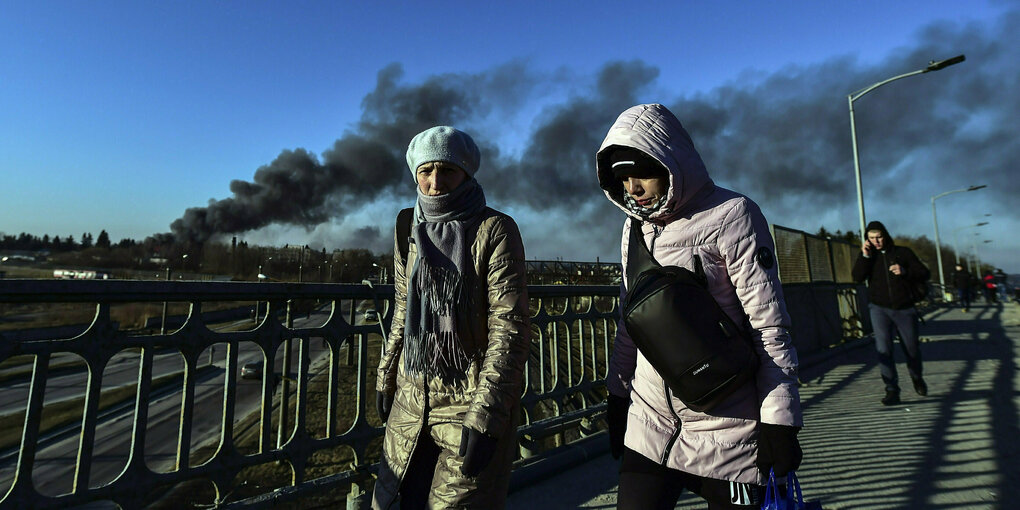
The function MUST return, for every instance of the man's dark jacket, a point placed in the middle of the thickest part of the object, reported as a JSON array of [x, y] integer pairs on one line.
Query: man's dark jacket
[[885, 288], [961, 279]]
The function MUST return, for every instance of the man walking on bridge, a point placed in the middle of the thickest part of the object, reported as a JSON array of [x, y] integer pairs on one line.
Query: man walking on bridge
[[891, 271], [961, 280]]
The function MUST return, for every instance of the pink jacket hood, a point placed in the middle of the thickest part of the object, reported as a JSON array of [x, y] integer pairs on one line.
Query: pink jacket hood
[[654, 130]]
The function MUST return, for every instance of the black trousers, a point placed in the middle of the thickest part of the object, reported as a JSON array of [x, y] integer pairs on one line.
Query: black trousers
[[646, 485], [414, 491]]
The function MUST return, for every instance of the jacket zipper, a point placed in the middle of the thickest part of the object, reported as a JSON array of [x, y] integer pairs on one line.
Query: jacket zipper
[[656, 232], [424, 425], [676, 423], [888, 281]]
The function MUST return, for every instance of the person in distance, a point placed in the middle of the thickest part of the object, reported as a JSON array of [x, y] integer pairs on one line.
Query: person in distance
[[890, 271]]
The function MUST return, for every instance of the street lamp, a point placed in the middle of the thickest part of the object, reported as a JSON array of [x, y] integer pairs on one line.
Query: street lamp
[[977, 259], [934, 220], [184, 263], [986, 241], [973, 254], [381, 274], [932, 66], [956, 245]]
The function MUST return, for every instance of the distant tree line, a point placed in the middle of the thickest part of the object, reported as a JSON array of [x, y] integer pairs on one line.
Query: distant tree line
[[293, 263], [57, 244], [239, 260]]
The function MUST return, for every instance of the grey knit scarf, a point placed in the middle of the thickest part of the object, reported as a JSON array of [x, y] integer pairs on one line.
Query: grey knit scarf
[[437, 289]]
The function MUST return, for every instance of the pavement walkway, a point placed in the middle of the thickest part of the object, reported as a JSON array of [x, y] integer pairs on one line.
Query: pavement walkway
[[959, 447]]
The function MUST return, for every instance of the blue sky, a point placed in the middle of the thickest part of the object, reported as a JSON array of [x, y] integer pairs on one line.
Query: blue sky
[[122, 115]]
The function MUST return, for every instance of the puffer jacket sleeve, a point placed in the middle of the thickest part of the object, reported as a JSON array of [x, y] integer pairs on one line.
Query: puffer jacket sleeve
[[863, 266], [386, 377], [501, 376], [748, 250], [624, 357]]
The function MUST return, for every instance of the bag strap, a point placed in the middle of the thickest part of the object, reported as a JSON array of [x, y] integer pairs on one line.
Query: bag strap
[[699, 272], [793, 492], [403, 229], [640, 258], [771, 493]]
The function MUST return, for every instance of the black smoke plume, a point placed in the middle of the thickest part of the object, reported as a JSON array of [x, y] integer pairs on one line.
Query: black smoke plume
[[781, 137], [297, 189]]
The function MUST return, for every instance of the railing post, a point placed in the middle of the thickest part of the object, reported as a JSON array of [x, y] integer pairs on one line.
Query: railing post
[[162, 323], [358, 498], [284, 376], [350, 345], [560, 391], [528, 447]]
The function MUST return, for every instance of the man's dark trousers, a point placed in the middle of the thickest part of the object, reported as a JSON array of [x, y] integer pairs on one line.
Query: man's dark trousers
[[963, 295], [885, 321]]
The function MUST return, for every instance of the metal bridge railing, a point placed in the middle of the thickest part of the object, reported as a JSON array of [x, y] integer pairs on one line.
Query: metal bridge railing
[[572, 330]]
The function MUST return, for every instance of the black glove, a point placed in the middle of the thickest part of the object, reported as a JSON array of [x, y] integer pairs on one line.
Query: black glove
[[616, 418], [778, 448], [477, 450], [383, 404]]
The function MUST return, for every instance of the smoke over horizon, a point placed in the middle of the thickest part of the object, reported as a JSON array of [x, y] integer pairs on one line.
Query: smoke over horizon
[[781, 137]]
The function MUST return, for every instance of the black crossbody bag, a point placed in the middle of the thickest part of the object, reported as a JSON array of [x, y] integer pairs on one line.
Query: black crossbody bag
[[682, 331]]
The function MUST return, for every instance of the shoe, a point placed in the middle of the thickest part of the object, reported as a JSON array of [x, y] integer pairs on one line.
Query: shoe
[[891, 398], [920, 387]]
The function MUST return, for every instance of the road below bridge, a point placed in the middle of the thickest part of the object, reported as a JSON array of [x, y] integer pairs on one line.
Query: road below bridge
[[54, 468]]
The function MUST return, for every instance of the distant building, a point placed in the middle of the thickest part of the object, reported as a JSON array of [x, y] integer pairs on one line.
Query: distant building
[[80, 274], [558, 272], [9, 256]]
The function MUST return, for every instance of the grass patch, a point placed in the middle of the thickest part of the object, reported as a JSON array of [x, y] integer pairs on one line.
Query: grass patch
[[66, 412]]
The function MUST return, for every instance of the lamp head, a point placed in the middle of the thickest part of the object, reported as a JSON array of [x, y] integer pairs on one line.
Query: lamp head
[[935, 66]]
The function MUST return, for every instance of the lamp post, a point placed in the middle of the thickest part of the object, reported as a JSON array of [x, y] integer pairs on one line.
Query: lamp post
[[956, 245], [977, 259], [973, 255], [932, 66], [986, 241], [935, 221], [382, 273]]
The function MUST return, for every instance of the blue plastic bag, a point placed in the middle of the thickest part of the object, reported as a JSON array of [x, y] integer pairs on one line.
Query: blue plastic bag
[[792, 500]]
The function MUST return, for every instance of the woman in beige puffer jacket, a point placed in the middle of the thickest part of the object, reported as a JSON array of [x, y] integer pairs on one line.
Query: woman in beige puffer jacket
[[451, 377], [648, 166]]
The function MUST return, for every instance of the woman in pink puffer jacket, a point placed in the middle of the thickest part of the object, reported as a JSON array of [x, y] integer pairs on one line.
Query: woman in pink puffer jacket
[[648, 166]]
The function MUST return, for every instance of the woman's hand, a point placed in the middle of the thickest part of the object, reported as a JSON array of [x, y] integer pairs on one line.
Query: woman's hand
[[616, 418], [778, 448], [477, 450], [383, 404]]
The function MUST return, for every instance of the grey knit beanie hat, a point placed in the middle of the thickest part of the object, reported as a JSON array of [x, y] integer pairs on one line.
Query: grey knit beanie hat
[[443, 143]]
